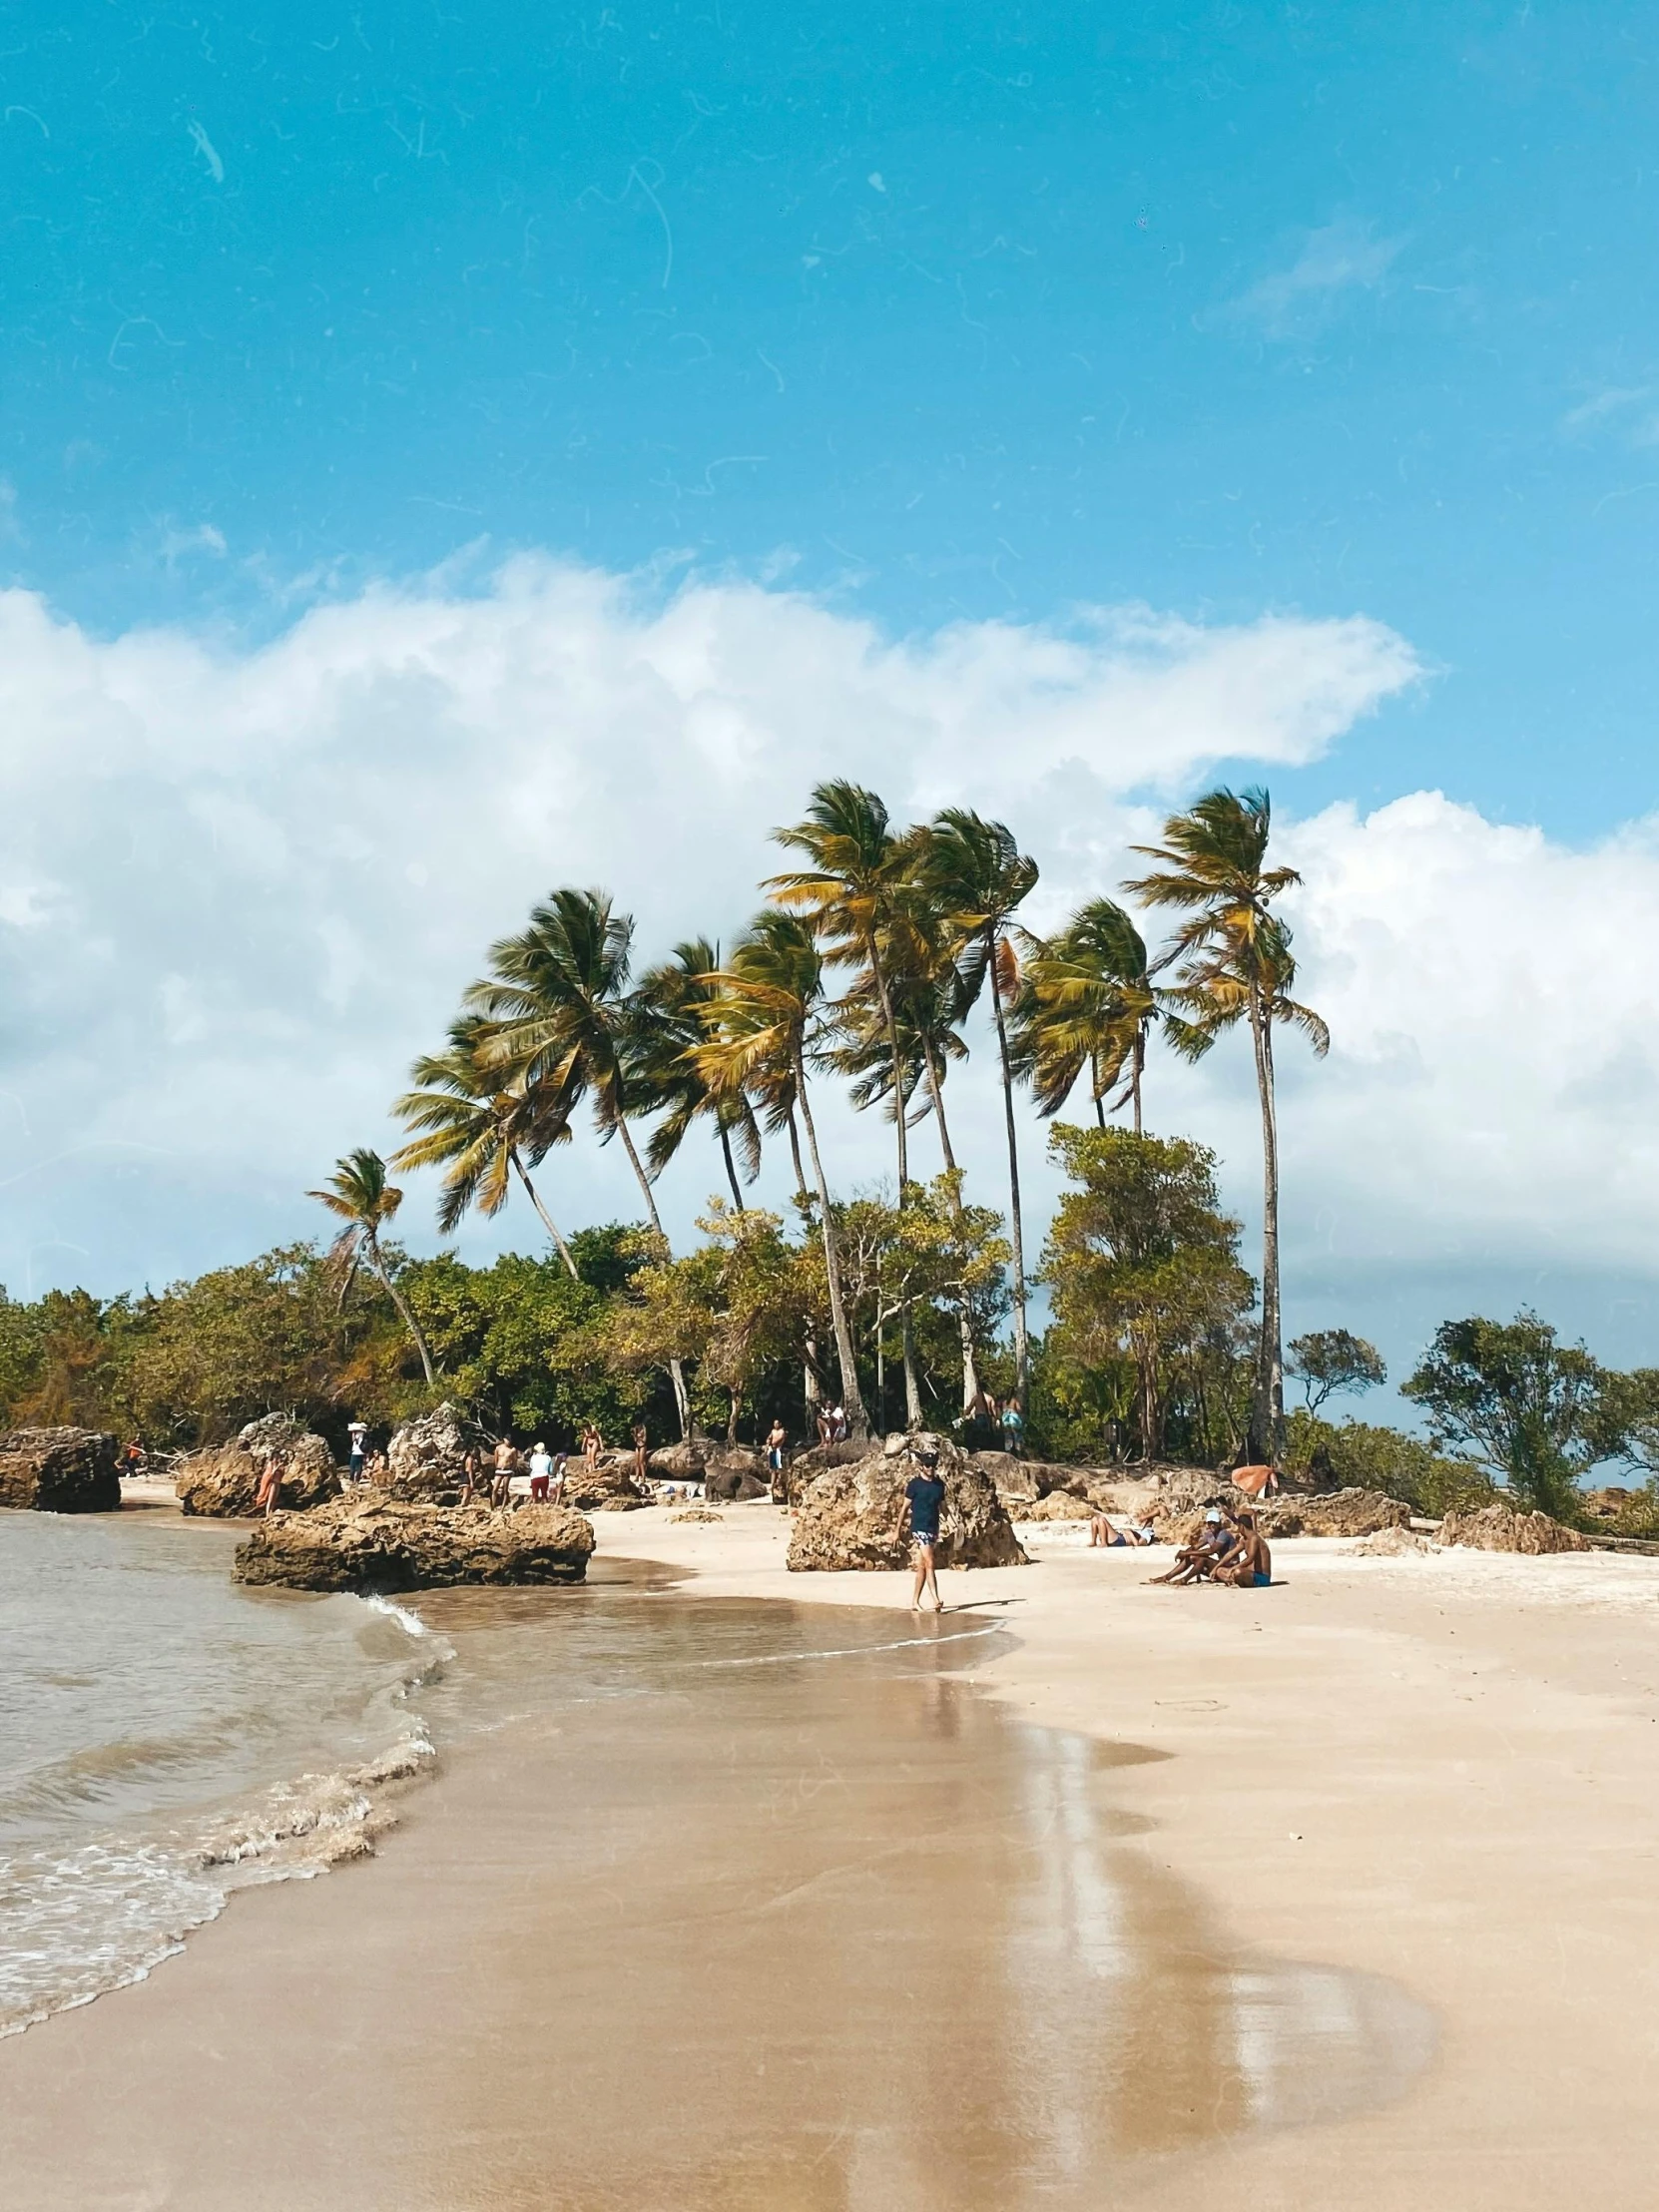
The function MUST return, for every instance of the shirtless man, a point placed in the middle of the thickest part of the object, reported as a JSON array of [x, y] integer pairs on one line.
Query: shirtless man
[[506, 1466], [1250, 1565], [1196, 1561]]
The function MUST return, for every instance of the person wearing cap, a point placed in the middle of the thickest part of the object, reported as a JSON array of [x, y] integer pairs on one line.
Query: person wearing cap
[[923, 1504], [1196, 1561]]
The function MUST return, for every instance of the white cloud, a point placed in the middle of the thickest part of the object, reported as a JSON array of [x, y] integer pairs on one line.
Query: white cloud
[[1338, 257]]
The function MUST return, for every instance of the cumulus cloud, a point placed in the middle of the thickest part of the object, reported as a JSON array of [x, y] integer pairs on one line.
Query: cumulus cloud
[[241, 886]]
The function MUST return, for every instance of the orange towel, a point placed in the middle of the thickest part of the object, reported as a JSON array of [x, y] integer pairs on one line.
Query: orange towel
[[1252, 1480]]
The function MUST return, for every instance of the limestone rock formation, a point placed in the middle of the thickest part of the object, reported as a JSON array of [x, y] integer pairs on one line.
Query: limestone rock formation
[[1057, 1505], [379, 1542], [679, 1462], [1393, 1543], [59, 1471], [426, 1457], [223, 1484], [737, 1473], [1340, 1513], [605, 1485], [849, 1515], [1501, 1528]]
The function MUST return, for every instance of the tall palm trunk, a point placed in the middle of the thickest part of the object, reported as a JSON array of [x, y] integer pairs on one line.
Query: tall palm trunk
[[809, 1390], [1267, 1424], [1137, 1067], [731, 1171], [913, 1392], [548, 1220], [965, 1319], [1022, 1342], [677, 1374], [852, 1398], [372, 1243]]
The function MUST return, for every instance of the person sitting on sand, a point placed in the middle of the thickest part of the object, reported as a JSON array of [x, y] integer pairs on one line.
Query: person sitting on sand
[[1104, 1531], [922, 1504], [269, 1497], [1249, 1567], [1216, 1541]]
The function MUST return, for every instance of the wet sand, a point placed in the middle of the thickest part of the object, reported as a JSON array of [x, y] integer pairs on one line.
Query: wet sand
[[1337, 1895]]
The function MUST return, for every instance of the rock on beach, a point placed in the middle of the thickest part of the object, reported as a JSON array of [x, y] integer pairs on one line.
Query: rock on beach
[[223, 1484], [849, 1515], [386, 1543], [1501, 1528], [426, 1457], [59, 1471]]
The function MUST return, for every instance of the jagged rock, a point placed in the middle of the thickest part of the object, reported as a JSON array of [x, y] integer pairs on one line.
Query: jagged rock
[[605, 1486], [849, 1515], [680, 1462], [1501, 1528], [1391, 1543], [739, 1474], [1058, 1505], [379, 1542], [426, 1457], [59, 1471], [222, 1484], [1341, 1513], [696, 1513], [807, 1465]]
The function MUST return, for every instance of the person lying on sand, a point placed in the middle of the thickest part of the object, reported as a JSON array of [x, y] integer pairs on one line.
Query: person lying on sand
[[1104, 1531], [1250, 1566], [1197, 1562]]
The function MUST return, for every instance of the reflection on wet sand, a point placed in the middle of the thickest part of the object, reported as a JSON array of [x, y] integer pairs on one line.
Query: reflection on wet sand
[[842, 1935]]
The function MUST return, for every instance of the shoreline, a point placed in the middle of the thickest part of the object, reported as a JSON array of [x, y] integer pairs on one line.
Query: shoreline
[[1429, 1770]]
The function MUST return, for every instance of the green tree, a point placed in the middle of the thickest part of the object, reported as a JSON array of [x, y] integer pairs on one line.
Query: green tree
[[979, 877], [667, 1033], [1088, 1003], [848, 890], [763, 1023], [358, 1194], [1534, 1409], [558, 997], [1140, 1261], [480, 1125], [1362, 1455], [1233, 963], [1328, 1362]]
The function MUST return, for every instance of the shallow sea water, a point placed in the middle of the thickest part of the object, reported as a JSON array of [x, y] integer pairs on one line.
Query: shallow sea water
[[714, 1905]]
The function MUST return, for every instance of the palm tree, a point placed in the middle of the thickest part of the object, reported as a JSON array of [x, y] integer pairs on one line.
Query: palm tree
[[1233, 963], [1088, 1003], [668, 1030], [763, 1023], [847, 890], [478, 1127], [358, 1193], [978, 875], [557, 1001]]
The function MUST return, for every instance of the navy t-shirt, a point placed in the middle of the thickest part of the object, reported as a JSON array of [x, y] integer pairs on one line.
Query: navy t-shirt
[[926, 1494]]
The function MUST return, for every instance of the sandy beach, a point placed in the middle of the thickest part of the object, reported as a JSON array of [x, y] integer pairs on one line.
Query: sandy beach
[[1432, 1776]]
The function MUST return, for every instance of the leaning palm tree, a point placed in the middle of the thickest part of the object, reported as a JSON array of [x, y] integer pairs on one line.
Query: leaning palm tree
[[557, 1000], [763, 1023], [1088, 1003], [481, 1128], [667, 1031], [360, 1195], [978, 874], [847, 890], [1232, 962]]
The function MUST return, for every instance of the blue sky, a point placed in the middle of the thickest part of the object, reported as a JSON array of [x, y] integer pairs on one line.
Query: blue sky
[[968, 310], [756, 338]]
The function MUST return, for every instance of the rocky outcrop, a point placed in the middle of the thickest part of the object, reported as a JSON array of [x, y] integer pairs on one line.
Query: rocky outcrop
[[222, 1484], [380, 1542], [605, 1486], [426, 1457], [1341, 1513], [59, 1471], [849, 1515], [1058, 1505], [1393, 1543], [737, 1473], [680, 1462], [1501, 1528]]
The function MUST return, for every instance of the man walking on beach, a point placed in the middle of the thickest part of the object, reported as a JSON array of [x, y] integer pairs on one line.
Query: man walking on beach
[[923, 1502]]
